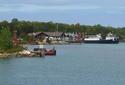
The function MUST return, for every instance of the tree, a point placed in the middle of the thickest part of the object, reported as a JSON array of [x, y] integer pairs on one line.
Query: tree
[[5, 39], [14, 24], [4, 23], [14, 20]]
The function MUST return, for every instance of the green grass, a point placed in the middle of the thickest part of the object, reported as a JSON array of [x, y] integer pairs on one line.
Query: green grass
[[12, 50]]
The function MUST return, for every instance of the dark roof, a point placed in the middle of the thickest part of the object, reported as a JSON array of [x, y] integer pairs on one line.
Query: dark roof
[[51, 34], [37, 33]]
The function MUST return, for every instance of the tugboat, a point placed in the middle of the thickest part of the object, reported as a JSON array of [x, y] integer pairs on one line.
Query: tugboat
[[50, 52], [109, 39]]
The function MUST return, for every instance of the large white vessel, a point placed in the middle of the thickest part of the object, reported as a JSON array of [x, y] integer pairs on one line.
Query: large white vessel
[[110, 38]]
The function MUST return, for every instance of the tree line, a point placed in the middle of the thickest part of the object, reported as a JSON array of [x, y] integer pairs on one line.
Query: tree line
[[23, 27]]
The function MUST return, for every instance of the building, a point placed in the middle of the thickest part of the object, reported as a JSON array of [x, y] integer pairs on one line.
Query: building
[[57, 37], [48, 37]]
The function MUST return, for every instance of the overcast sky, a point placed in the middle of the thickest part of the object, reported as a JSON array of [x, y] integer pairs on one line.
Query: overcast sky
[[90, 12]]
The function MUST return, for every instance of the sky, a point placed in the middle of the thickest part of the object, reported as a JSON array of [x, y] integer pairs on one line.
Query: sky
[[88, 12]]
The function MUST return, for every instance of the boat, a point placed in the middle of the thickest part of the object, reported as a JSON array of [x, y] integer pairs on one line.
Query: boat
[[109, 39], [50, 52], [37, 50]]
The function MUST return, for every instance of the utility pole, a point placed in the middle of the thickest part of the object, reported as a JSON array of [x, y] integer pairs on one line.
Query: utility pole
[[57, 27]]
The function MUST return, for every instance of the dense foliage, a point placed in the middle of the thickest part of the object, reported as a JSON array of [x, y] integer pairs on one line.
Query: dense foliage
[[24, 27], [5, 39]]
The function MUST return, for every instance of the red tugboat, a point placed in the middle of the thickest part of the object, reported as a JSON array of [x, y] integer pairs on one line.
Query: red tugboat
[[50, 52]]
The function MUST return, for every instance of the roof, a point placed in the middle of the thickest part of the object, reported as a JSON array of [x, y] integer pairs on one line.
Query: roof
[[51, 34]]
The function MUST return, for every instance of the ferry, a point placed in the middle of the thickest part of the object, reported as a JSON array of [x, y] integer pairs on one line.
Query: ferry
[[109, 39]]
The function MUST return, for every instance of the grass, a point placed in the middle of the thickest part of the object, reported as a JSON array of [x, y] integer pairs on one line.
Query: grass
[[12, 50]]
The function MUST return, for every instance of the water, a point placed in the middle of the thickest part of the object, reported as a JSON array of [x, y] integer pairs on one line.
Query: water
[[86, 64]]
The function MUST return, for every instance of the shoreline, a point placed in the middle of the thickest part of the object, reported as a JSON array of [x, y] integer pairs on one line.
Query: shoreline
[[16, 54], [8, 55]]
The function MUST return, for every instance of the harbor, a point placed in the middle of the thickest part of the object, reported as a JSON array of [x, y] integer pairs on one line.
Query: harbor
[[40, 39], [62, 38], [62, 42]]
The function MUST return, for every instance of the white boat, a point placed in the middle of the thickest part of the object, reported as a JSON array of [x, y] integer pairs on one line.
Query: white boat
[[110, 38]]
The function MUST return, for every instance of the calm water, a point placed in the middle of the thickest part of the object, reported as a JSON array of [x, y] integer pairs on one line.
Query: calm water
[[86, 64]]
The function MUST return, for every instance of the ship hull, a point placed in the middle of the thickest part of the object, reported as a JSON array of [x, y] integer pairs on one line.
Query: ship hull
[[102, 41]]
